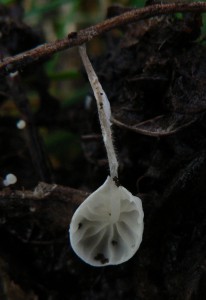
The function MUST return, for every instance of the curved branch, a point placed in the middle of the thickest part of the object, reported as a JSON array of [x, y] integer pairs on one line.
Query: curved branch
[[55, 202], [44, 191], [12, 64]]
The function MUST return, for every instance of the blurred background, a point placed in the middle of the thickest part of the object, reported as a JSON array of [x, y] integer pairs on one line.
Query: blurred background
[[59, 88]]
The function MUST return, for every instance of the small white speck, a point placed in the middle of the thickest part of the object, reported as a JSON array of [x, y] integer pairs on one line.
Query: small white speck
[[9, 179], [32, 209], [13, 74], [21, 124]]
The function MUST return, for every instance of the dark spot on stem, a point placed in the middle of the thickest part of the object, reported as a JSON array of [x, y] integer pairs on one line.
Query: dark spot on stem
[[101, 105], [100, 257], [114, 243], [79, 225], [116, 180]]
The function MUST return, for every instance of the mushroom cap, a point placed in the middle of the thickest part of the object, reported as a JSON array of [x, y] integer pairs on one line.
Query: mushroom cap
[[107, 227]]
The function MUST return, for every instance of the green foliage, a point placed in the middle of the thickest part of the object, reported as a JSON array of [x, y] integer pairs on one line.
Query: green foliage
[[65, 75], [7, 1], [137, 3], [62, 145], [76, 97], [39, 10]]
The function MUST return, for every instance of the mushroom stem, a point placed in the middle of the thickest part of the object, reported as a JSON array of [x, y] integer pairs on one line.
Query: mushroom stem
[[104, 112]]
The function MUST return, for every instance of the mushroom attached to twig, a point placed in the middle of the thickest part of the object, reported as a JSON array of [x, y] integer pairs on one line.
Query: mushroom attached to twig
[[107, 227]]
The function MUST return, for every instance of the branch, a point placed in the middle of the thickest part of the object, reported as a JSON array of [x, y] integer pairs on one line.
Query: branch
[[51, 202], [12, 64], [44, 191]]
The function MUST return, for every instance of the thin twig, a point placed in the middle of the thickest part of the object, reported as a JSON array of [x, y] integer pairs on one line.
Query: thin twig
[[41, 192], [12, 64]]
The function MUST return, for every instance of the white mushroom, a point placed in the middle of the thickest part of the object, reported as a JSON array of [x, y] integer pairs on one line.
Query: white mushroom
[[107, 227]]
